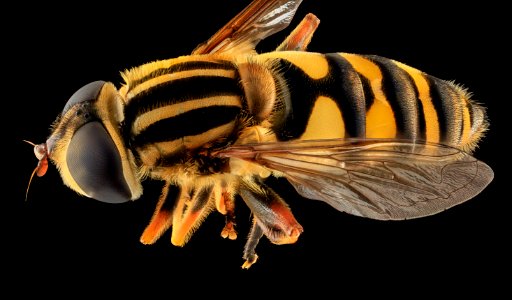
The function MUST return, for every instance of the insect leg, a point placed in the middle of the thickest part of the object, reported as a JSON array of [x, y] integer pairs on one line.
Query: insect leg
[[162, 218], [271, 215], [300, 37], [255, 235], [229, 230], [192, 207]]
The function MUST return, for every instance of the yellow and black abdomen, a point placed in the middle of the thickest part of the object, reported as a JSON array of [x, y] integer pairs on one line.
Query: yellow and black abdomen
[[177, 105], [341, 95]]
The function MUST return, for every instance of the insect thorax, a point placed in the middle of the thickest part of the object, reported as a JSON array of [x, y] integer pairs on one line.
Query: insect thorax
[[179, 110]]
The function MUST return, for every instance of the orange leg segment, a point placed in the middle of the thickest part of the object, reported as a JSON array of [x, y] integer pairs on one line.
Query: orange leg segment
[[162, 218], [300, 37], [229, 230]]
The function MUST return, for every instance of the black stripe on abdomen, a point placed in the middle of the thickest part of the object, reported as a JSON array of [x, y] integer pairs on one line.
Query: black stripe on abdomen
[[369, 96], [346, 88], [441, 94], [342, 84], [402, 94]]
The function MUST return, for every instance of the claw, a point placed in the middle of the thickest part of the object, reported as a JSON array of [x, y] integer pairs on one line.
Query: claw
[[226, 205], [250, 261], [229, 230]]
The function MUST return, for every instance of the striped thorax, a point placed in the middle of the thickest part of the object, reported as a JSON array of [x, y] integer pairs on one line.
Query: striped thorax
[[175, 107]]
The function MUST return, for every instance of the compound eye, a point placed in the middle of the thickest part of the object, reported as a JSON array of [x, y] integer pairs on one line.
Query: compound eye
[[88, 92], [95, 164]]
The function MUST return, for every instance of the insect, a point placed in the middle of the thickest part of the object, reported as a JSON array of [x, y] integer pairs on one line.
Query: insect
[[368, 135]]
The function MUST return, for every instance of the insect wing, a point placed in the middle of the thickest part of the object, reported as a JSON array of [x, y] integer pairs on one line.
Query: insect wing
[[378, 178], [257, 21]]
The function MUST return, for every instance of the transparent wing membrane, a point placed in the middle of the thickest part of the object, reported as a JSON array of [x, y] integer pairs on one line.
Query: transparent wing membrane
[[256, 22], [379, 179]]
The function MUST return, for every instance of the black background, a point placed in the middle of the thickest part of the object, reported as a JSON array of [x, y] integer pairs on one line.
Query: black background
[[60, 238]]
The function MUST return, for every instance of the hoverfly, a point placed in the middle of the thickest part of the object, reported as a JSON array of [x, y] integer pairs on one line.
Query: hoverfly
[[368, 135]]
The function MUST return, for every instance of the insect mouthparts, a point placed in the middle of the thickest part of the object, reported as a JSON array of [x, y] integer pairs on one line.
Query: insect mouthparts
[[41, 153]]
